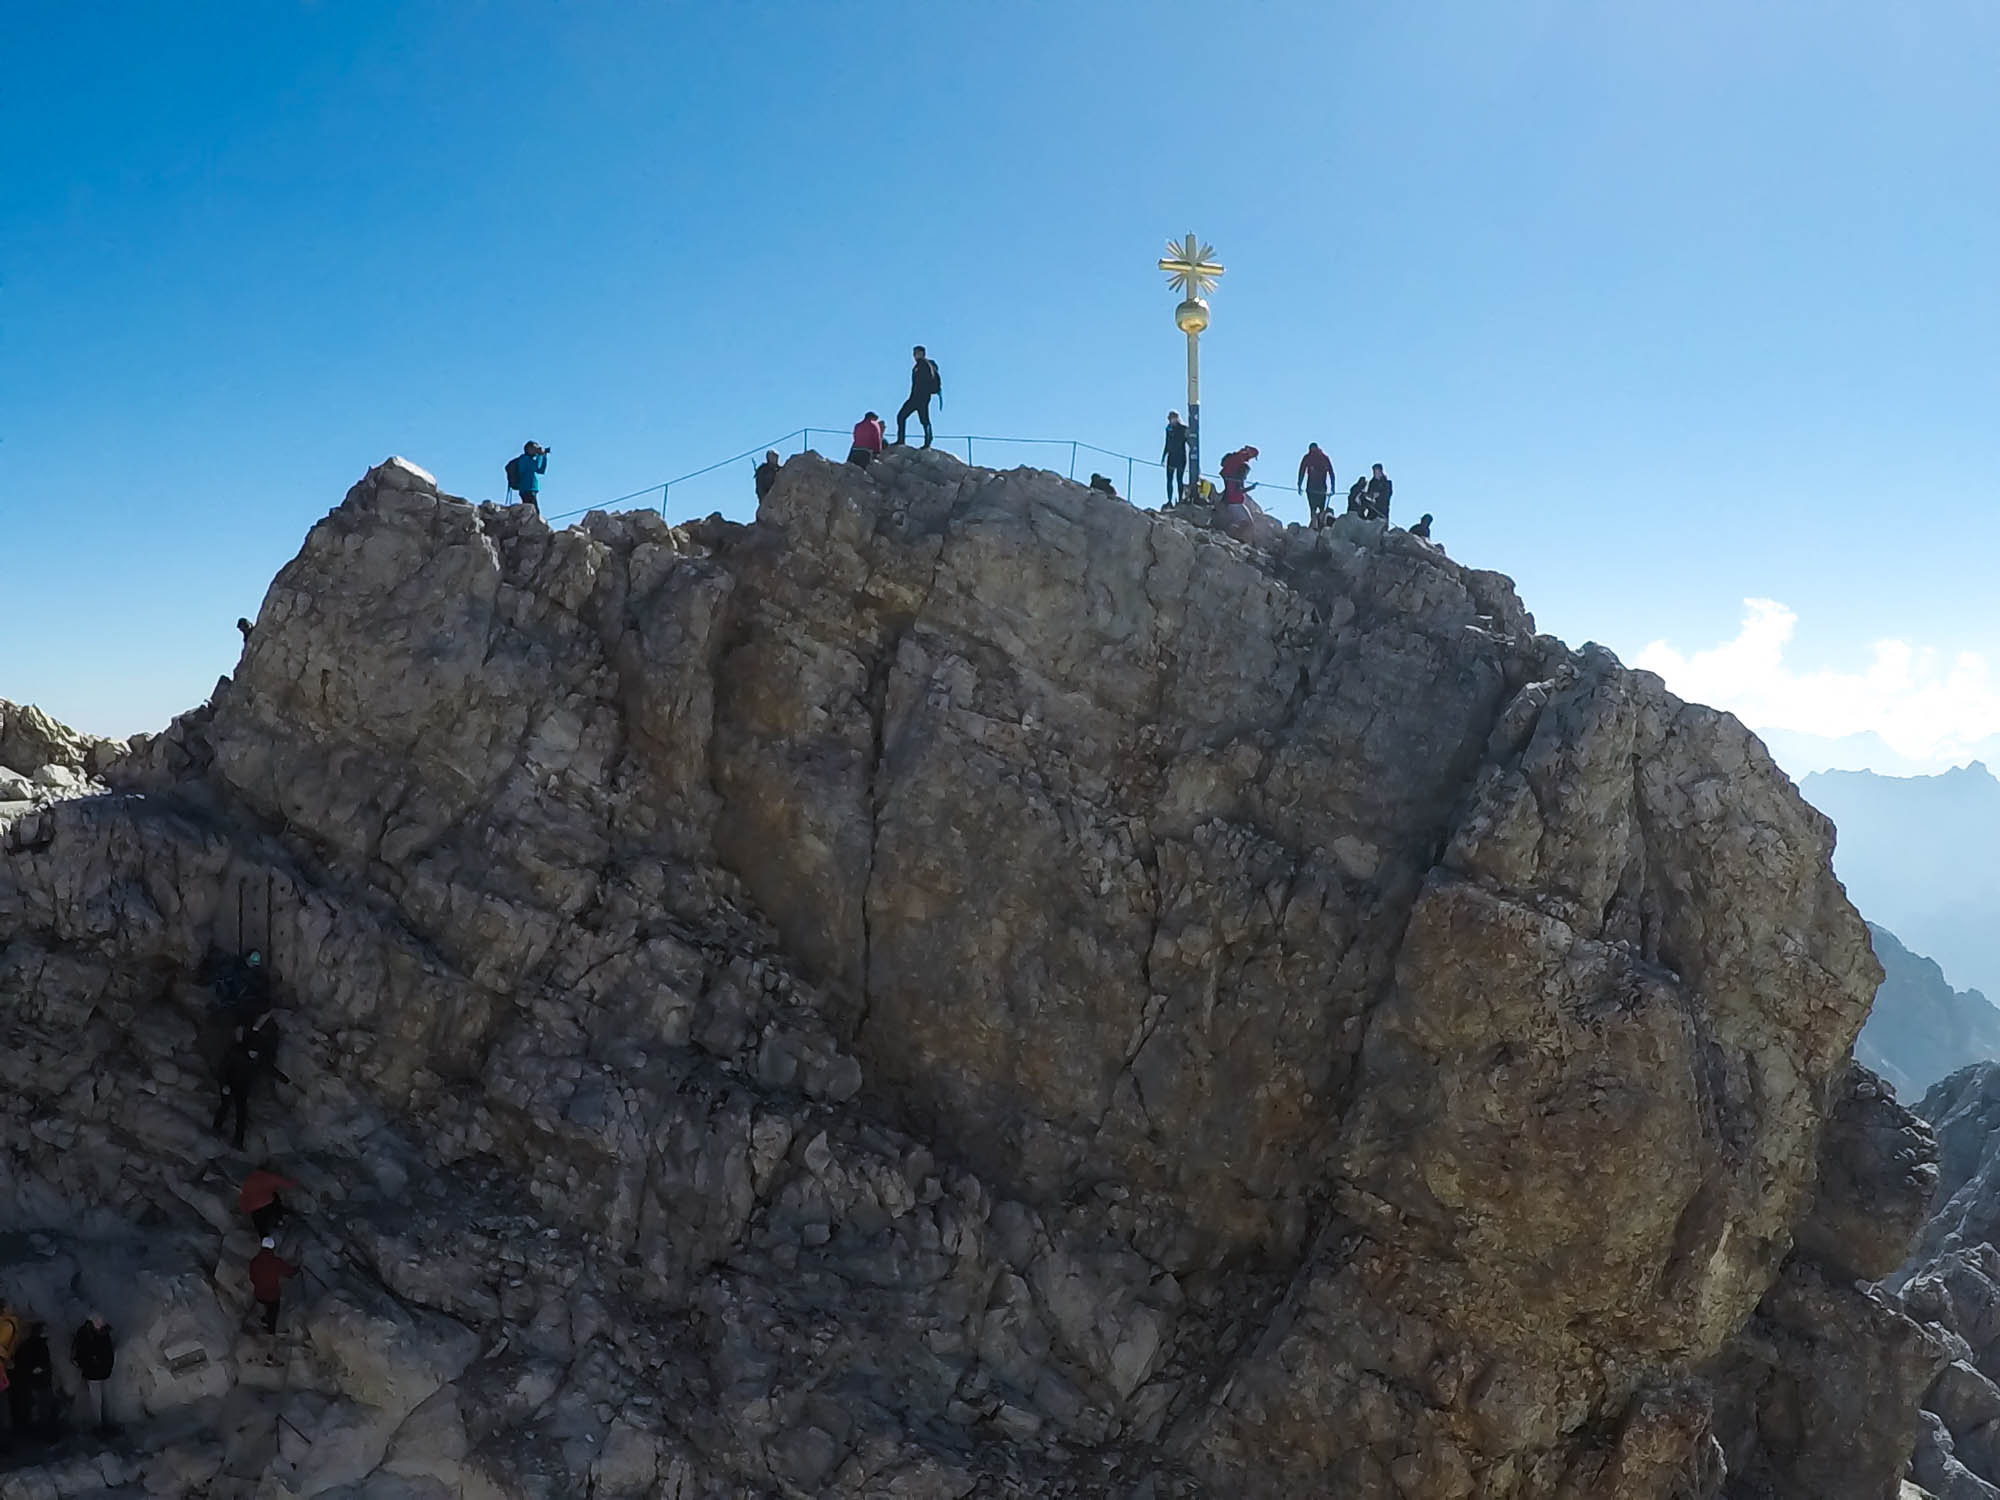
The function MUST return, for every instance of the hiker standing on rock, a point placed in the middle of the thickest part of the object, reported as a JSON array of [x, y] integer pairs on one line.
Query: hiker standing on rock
[[1379, 491], [925, 382], [1315, 481], [92, 1350], [867, 441], [31, 1384], [247, 1062], [766, 474], [1357, 498], [525, 470], [268, 1271], [1423, 528], [1174, 456]]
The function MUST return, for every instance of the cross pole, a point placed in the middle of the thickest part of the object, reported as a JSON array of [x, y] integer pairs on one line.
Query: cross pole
[[1192, 270]]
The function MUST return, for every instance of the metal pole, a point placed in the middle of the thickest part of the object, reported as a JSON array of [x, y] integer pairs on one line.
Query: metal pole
[[968, 447], [1072, 460], [1128, 479], [663, 500], [1194, 411]]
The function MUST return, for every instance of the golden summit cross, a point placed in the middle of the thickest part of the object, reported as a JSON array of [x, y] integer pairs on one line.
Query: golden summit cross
[[1191, 267]]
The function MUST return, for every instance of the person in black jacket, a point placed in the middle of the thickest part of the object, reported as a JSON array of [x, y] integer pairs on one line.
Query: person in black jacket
[[92, 1350], [766, 474], [250, 1057], [925, 382], [31, 1385], [1174, 456], [1379, 491]]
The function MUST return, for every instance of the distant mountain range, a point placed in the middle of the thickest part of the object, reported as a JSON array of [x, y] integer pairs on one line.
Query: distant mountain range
[[1920, 855], [1922, 1029]]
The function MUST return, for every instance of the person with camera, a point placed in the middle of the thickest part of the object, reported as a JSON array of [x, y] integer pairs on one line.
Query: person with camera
[[524, 473]]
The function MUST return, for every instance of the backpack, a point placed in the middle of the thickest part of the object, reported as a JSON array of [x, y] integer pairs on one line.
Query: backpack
[[514, 472], [933, 382]]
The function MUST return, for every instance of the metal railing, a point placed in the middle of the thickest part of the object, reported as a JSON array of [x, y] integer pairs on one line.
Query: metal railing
[[804, 436]]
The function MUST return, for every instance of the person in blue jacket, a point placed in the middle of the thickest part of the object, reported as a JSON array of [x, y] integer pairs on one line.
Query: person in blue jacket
[[525, 471]]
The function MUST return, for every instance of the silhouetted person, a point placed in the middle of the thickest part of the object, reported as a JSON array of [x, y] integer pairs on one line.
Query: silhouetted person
[[259, 1198], [925, 382], [268, 1271], [246, 1063], [524, 473], [867, 441], [1315, 480], [1357, 497], [1379, 491], [244, 626], [243, 984], [1423, 527], [31, 1384], [767, 473], [93, 1351], [1174, 456]]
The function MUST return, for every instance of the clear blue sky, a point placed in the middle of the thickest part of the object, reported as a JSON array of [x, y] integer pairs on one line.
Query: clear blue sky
[[1656, 305]]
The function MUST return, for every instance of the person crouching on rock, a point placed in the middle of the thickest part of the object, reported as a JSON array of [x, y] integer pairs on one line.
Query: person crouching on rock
[[868, 435], [1235, 517], [268, 1271], [259, 1198]]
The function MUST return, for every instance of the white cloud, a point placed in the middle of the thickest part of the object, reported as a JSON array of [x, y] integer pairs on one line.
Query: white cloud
[[1929, 706]]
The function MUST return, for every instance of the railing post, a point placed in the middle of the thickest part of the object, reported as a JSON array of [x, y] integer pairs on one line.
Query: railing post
[[1072, 460], [663, 500], [1128, 479], [968, 447]]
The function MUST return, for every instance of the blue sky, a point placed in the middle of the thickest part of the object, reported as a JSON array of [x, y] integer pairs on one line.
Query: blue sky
[[1657, 307]]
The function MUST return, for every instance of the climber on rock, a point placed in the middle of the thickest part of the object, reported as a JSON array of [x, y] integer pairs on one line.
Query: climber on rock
[[243, 985], [925, 382], [1379, 491], [1315, 481], [268, 1271], [259, 1198], [1174, 456], [1357, 498], [525, 470], [766, 473], [246, 1063], [1422, 529], [92, 1350], [867, 441]]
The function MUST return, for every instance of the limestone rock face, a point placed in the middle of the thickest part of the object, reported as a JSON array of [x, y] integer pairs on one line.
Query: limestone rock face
[[962, 987]]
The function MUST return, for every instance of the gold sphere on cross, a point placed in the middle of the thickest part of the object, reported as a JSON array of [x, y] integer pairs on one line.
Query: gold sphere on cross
[[1191, 316]]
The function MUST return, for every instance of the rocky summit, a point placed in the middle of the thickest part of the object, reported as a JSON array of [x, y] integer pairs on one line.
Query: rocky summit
[[959, 988]]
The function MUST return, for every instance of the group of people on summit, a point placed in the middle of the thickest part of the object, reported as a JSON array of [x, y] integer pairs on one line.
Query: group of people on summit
[[1368, 497]]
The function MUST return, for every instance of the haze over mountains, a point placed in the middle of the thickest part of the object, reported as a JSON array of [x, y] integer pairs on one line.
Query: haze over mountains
[[1917, 854]]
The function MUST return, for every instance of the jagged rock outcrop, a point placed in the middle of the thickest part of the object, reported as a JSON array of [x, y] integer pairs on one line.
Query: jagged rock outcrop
[[960, 988]]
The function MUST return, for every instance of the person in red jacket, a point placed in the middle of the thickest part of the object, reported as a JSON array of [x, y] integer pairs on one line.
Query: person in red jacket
[[1316, 482], [259, 1199], [268, 1271], [1235, 514], [868, 436]]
